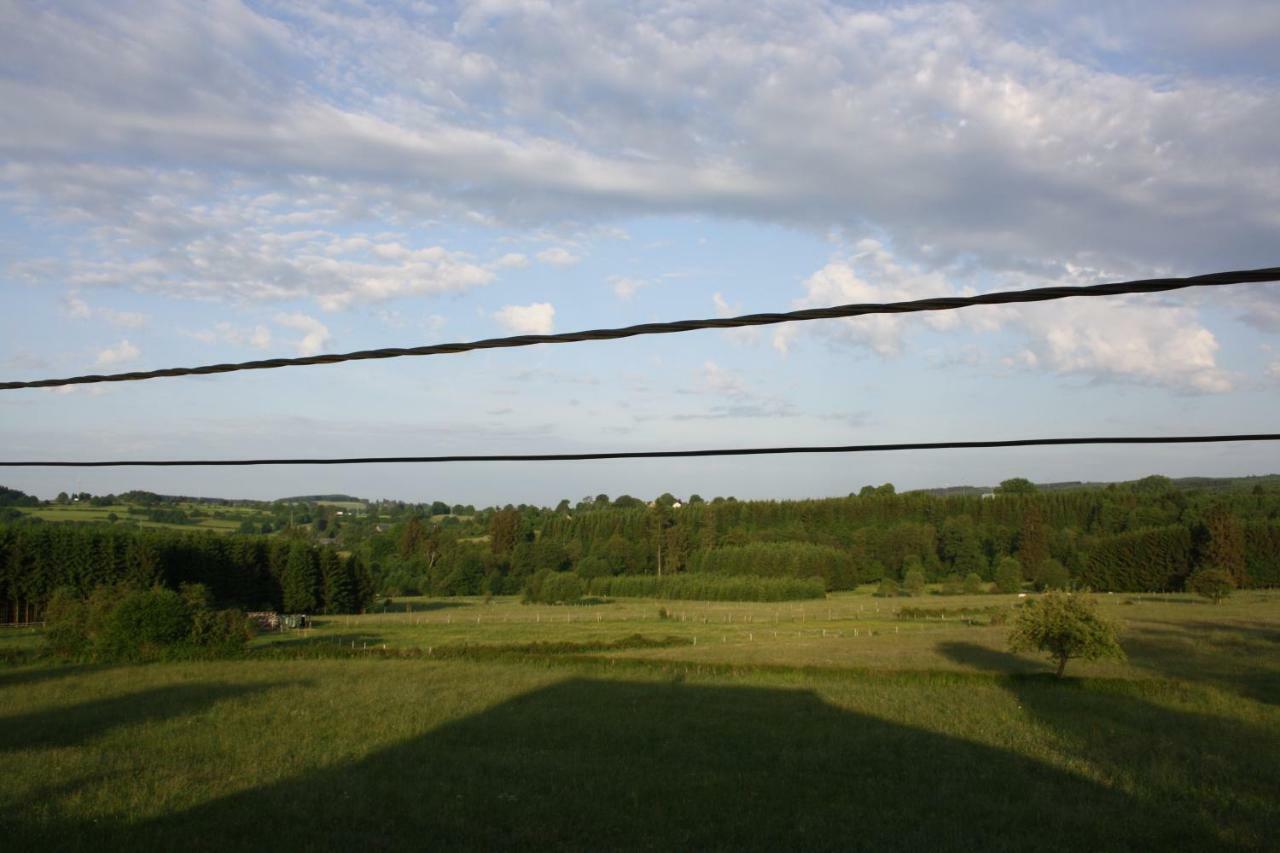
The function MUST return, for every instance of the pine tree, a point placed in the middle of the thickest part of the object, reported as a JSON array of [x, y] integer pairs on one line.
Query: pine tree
[[300, 580]]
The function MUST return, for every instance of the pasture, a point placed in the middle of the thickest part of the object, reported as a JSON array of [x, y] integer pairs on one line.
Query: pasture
[[808, 725], [87, 513]]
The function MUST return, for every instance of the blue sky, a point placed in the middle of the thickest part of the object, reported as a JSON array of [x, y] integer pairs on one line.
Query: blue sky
[[189, 183]]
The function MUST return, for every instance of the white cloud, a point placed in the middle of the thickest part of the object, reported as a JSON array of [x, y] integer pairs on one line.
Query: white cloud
[[715, 379], [79, 309], [624, 288], [872, 274], [118, 354], [1117, 339], [974, 134], [558, 257], [315, 337], [512, 260], [744, 335], [535, 319], [258, 336]]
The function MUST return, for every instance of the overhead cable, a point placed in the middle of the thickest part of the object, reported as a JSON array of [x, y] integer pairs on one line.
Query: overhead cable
[[651, 454], [944, 303]]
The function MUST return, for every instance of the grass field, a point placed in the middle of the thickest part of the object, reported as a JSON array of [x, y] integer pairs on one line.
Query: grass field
[[88, 513], [849, 729]]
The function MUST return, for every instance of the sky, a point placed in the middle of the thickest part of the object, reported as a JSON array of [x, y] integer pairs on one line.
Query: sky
[[188, 183]]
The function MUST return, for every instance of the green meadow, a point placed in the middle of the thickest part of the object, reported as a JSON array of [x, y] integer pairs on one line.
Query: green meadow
[[475, 723], [102, 514]]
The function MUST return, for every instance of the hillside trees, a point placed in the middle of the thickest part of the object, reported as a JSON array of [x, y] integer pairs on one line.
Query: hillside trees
[[1223, 545]]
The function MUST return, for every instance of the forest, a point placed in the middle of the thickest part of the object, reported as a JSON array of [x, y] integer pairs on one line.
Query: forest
[[1149, 535], [247, 572], [1145, 536]]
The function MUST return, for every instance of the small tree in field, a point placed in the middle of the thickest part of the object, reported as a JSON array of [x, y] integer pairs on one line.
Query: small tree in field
[[972, 584], [1214, 584], [888, 588], [1064, 627], [913, 583], [1009, 575]]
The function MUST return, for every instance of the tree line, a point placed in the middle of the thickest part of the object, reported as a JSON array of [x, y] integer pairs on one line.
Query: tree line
[[250, 572], [1144, 536]]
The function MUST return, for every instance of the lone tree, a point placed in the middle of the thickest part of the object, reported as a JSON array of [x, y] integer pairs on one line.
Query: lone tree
[[1009, 575], [1214, 584], [1064, 627]]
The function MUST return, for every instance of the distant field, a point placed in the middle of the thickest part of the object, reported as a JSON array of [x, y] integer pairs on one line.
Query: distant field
[[102, 513], [353, 505], [814, 725]]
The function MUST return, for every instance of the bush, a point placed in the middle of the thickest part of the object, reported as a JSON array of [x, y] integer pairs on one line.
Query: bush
[[1064, 626], [117, 623], [1009, 575], [888, 588], [1213, 584], [550, 587], [1052, 575], [952, 585], [220, 630], [913, 583], [144, 621], [66, 616], [973, 584]]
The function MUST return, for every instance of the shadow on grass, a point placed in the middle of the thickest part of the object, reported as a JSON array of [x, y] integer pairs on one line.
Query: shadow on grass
[[1242, 659], [1159, 599], [593, 764], [417, 606], [78, 724], [37, 674], [348, 640], [1223, 770]]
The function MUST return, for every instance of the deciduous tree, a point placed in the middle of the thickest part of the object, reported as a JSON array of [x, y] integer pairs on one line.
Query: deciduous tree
[[1064, 626]]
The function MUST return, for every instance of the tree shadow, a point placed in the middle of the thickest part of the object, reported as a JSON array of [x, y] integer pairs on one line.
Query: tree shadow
[[1180, 760], [356, 640], [38, 674], [81, 723], [592, 765], [1241, 659], [415, 606]]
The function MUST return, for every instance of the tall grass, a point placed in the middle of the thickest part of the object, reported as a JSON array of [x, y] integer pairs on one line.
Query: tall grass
[[708, 587]]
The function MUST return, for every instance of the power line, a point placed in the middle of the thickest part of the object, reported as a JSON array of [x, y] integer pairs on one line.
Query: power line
[[946, 303], [655, 454]]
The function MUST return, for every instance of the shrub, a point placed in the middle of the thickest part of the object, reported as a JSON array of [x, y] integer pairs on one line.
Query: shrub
[[1064, 626], [66, 616], [550, 587], [118, 623], [973, 583], [888, 588], [952, 585], [1052, 575], [913, 583], [1213, 584], [220, 630], [144, 621], [1009, 575]]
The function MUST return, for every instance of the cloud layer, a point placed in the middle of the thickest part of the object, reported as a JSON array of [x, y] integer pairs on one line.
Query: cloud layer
[[961, 129]]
